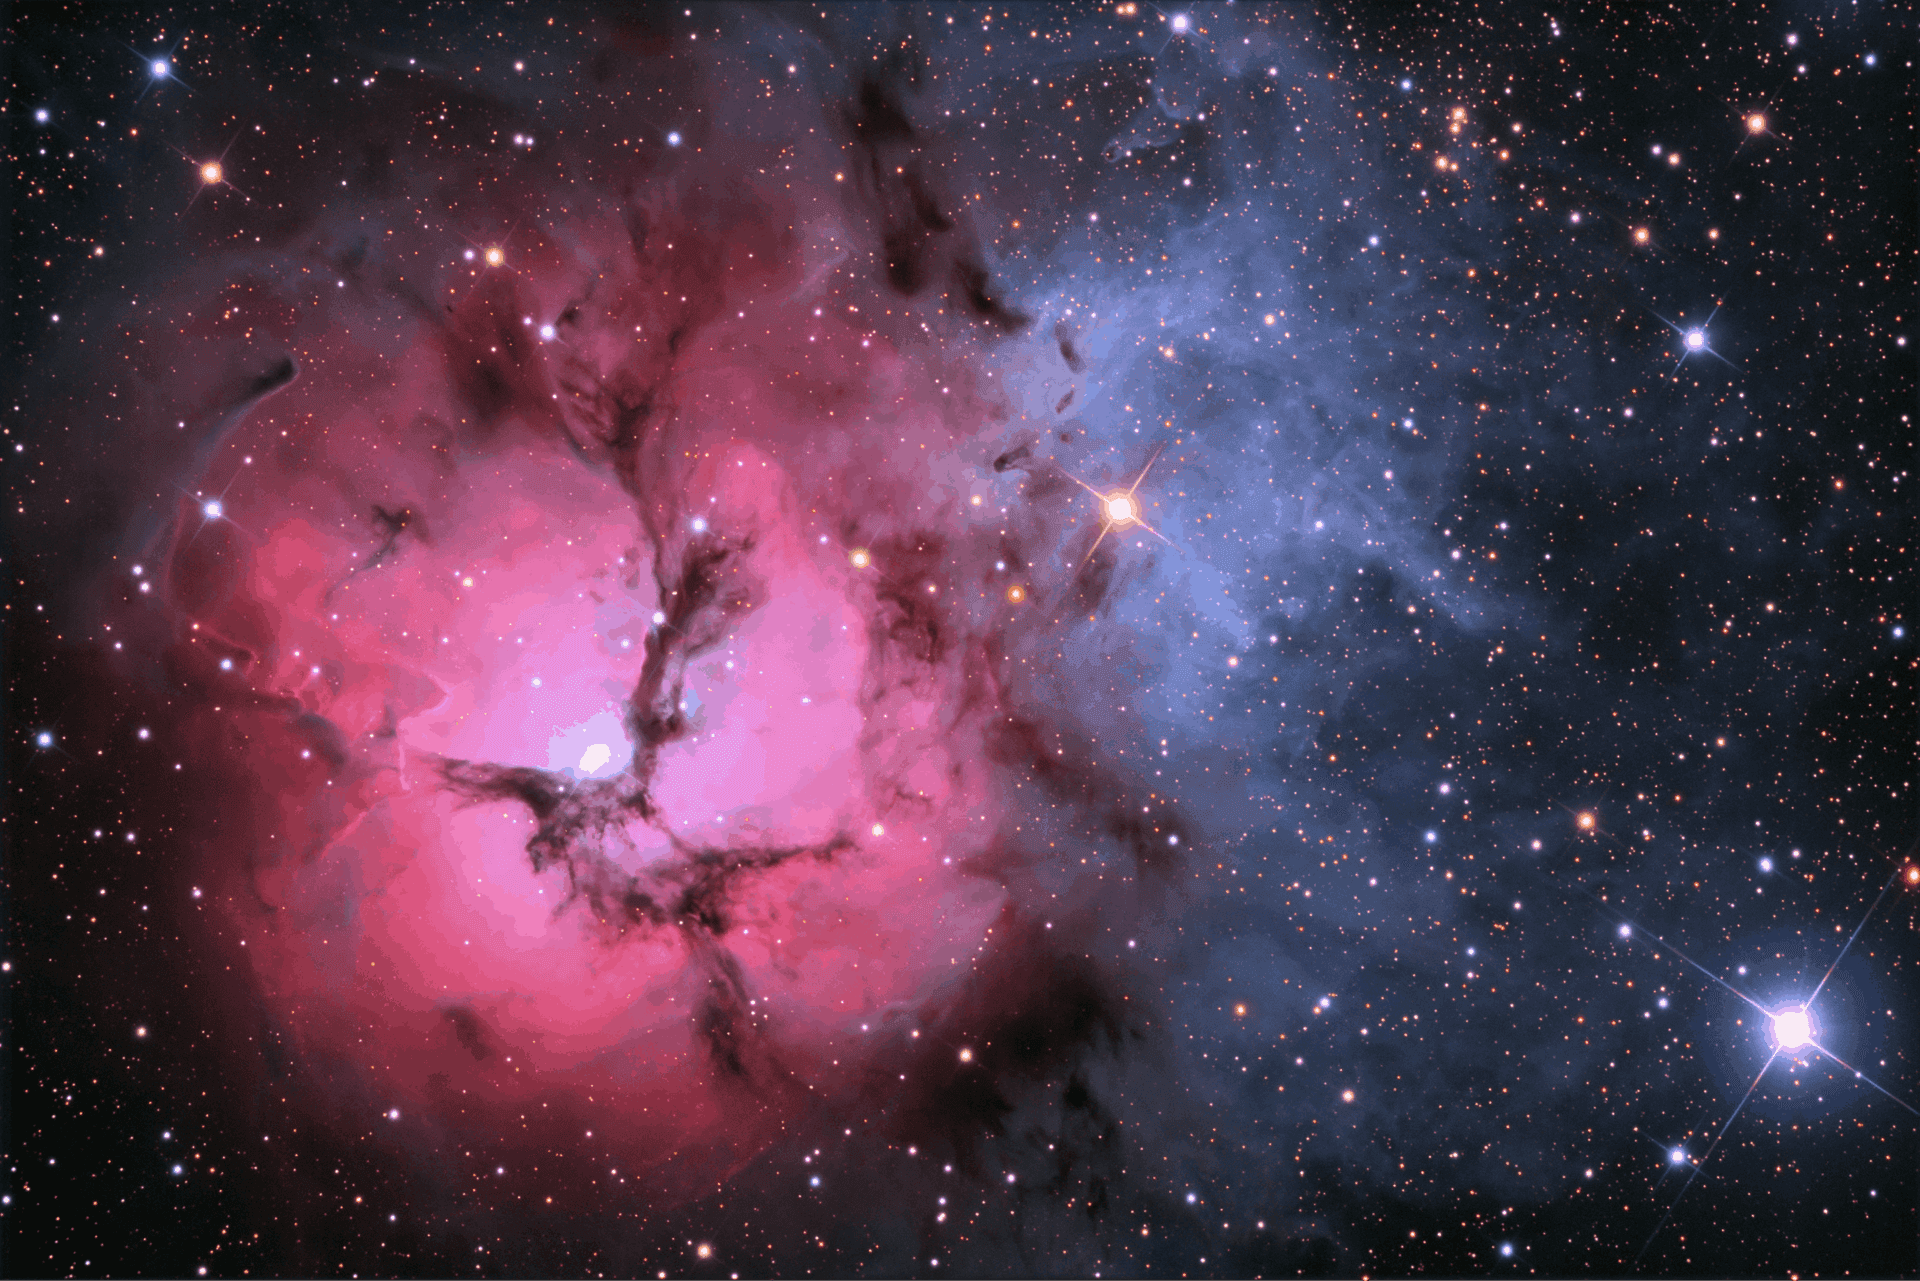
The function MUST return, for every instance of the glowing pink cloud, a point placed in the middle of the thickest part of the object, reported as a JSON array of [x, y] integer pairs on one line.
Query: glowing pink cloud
[[637, 719]]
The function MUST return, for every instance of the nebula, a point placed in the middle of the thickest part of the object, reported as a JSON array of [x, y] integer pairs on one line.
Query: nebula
[[624, 677], [863, 639]]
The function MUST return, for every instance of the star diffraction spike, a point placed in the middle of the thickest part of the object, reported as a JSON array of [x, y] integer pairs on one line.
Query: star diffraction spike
[[1791, 1027], [1119, 508]]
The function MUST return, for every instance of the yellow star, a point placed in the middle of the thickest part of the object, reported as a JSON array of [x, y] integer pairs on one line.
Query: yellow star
[[1119, 508]]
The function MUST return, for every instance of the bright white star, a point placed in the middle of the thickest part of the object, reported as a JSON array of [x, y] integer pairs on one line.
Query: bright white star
[[1693, 339], [1792, 1028]]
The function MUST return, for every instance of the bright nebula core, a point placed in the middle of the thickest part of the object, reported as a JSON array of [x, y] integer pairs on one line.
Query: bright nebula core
[[903, 640]]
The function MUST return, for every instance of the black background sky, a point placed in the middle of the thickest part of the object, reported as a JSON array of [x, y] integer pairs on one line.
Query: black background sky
[[1535, 695]]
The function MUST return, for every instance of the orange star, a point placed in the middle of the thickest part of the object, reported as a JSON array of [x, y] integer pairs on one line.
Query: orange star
[[1119, 508]]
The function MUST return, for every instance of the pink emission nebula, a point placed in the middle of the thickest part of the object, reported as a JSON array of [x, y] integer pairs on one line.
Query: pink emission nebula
[[628, 715]]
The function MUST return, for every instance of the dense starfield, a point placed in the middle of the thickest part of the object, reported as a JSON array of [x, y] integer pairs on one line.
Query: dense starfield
[[960, 640]]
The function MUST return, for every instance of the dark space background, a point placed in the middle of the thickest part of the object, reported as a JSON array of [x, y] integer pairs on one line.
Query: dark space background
[[1386, 861]]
